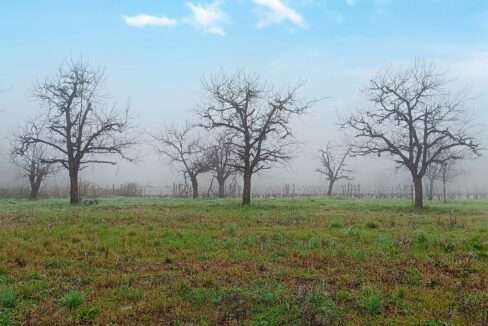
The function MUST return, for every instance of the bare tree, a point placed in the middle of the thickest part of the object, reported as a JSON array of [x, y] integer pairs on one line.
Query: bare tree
[[433, 173], [258, 115], [415, 120], [33, 164], [186, 151], [447, 172], [334, 167], [76, 126], [222, 160]]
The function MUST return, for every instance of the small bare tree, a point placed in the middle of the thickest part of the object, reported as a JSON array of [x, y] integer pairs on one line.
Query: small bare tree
[[34, 165], [334, 167], [447, 172], [433, 173], [185, 151], [415, 120], [222, 162], [76, 126], [258, 115]]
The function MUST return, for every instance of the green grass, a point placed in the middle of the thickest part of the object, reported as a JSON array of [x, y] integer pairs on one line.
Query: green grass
[[371, 302], [72, 300], [279, 262]]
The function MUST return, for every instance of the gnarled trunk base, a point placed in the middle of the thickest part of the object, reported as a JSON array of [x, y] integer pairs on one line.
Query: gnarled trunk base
[[418, 193], [194, 186], [246, 192], [221, 188], [74, 195], [330, 188]]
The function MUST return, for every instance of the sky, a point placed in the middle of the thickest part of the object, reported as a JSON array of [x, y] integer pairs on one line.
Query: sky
[[155, 53]]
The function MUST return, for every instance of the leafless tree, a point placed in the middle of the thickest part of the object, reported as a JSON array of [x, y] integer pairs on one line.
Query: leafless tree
[[223, 161], [76, 125], [333, 161], [415, 120], [185, 151], [447, 172], [258, 115], [433, 174], [33, 164]]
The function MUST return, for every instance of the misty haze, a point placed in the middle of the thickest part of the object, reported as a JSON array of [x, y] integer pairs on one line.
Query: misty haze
[[254, 162]]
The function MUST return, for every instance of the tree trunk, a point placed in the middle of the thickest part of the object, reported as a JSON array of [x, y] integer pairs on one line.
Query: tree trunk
[[35, 185], [74, 196], [418, 192], [331, 187], [194, 186], [221, 187], [246, 192], [444, 182], [34, 193], [431, 189]]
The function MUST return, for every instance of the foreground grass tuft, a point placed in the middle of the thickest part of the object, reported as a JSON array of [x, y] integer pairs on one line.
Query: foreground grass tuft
[[8, 297], [72, 300], [371, 302]]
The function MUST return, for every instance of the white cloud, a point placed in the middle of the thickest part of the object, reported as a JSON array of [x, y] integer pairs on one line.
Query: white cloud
[[208, 18], [278, 12], [142, 20], [351, 3]]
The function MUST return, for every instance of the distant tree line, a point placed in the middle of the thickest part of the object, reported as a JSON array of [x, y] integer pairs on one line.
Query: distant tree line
[[244, 127]]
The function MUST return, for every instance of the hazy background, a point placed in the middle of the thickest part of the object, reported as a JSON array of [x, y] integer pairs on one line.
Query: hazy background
[[157, 62]]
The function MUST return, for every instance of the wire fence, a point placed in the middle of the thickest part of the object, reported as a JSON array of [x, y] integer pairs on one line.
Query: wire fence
[[234, 190]]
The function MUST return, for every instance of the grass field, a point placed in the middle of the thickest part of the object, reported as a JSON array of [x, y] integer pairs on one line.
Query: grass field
[[279, 262]]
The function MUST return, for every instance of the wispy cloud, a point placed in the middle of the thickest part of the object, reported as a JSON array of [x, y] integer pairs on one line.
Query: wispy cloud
[[208, 18], [142, 20], [351, 3], [278, 12]]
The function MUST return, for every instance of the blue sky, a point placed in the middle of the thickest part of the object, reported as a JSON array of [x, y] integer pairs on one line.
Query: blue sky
[[156, 51], [49, 30]]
